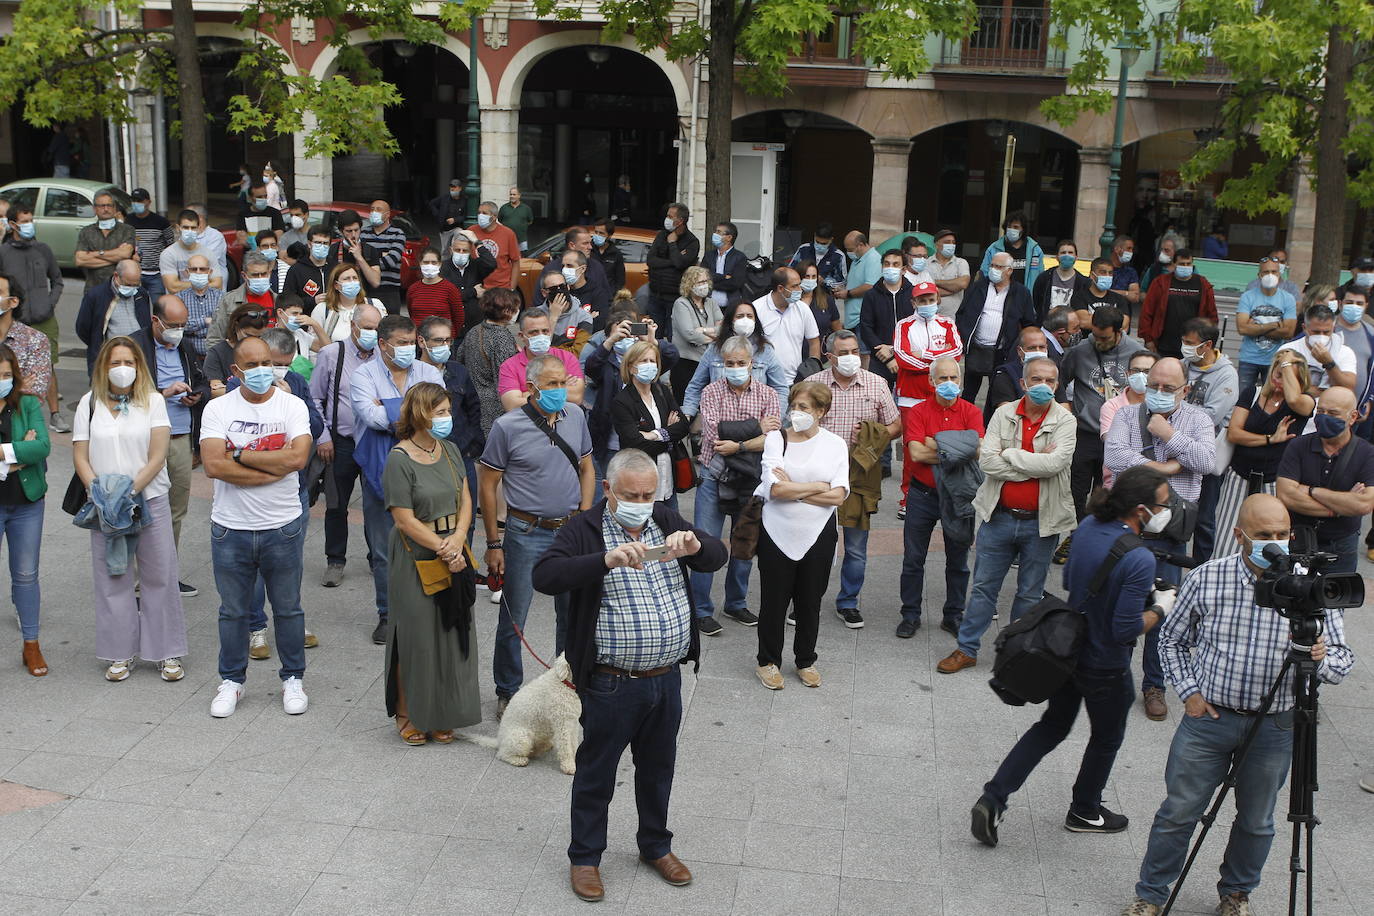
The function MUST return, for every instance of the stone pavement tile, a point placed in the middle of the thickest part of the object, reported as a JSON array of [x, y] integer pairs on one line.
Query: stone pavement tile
[[1011, 868], [342, 676], [711, 892], [717, 840], [812, 850], [17, 827], [980, 902], [824, 727], [53, 869], [897, 812], [183, 744], [142, 881], [137, 781], [483, 865], [764, 890], [442, 897], [890, 739], [17, 905], [142, 698], [273, 841], [906, 705], [799, 808], [1080, 875], [94, 822], [867, 897], [375, 895], [548, 891], [9, 756], [1048, 821], [196, 833], [21, 730], [96, 738], [385, 853], [240, 889], [704, 790], [541, 778], [891, 857], [414, 808], [353, 759], [69, 774], [223, 788], [509, 818], [316, 798]]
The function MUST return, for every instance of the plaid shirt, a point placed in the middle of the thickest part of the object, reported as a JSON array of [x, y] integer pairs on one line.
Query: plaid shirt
[[1194, 444], [646, 617], [200, 309], [866, 398], [35, 357], [1221, 644], [722, 404]]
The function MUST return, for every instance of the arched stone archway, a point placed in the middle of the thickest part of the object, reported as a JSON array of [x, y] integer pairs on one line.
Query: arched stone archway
[[522, 62]]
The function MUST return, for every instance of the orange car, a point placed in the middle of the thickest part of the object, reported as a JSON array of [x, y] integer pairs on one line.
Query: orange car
[[633, 244]]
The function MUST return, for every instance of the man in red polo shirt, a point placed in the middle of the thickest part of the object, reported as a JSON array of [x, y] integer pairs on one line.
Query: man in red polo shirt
[[1024, 504], [920, 338], [943, 412]]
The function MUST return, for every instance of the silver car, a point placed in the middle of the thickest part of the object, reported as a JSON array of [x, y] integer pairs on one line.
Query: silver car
[[62, 207]]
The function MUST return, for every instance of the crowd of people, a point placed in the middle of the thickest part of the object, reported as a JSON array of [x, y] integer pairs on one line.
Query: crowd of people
[[1041, 416]]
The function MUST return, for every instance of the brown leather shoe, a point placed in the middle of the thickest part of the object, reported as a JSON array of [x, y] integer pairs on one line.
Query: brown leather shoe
[[670, 869], [955, 661], [1155, 709], [586, 882]]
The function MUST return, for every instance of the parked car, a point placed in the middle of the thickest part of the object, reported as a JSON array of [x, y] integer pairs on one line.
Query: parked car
[[327, 214], [62, 207], [633, 244]]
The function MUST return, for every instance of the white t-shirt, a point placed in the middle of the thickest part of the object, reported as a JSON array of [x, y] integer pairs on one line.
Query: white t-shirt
[[270, 426], [794, 525], [989, 326], [119, 441], [787, 331], [1343, 356]]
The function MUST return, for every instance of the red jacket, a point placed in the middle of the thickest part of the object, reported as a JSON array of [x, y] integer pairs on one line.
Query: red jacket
[[935, 338], [1157, 303]]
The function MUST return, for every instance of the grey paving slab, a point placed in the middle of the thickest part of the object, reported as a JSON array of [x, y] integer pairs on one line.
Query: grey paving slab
[[152, 883], [240, 889]]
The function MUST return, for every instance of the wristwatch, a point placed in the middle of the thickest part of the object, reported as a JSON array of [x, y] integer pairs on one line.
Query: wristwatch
[[237, 455], [1329, 365]]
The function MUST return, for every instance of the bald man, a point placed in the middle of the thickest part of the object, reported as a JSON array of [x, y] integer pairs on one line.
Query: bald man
[[1222, 653], [118, 307], [1326, 478]]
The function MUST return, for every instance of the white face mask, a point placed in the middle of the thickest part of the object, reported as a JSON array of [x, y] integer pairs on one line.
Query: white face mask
[[1159, 521], [122, 376], [848, 364], [701, 290], [1318, 340], [743, 326], [801, 420], [280, 372], [429, 271], [994, 275], [1269, 281]]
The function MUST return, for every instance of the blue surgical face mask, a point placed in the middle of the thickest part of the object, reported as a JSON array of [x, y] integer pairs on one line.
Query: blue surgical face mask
[[1102, 283], [350, 289], [1126, 256], [139, 208], [539, 344], [105, 225], [259, 285], [994, 275], [259, 203], [199, 281], [367, 338], [552, 400], [1066, 261], [374, 218], [460, 259], [1040, 394], [259, 379], [1362, 280], [188, 238], [632, 515], [821, 250], [1257, 550], [127, 292], [947, 250], [293, 323], [809, 284], [717, 240], [268, 253], [736, 375], [484, 220], [440, 427], [927, 311], [570, 275], [1159, 402], [1183, 271], [1351, 313], [440, 354], [948, 390], [598, 240], [794, 295], [918, 264], [319, 250], [892, 274], [646, 372], [1013, 235], [403, 355], [27, 230], [6, 386], [623, 345]]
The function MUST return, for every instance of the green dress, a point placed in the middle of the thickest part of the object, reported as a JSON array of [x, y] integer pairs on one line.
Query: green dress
[[440, 684]]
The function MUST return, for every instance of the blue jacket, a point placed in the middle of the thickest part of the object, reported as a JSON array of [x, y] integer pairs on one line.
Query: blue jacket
[[113, 510], [1113, 614], [1035, 259], [93, 317], [732, 281], [833, 266], [466, 407], [765, 370], [602, 368]]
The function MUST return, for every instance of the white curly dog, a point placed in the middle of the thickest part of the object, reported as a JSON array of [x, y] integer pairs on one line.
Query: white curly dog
[[543, 714]]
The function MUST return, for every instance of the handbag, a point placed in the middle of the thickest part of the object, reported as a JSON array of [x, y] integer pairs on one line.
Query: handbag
[[980, 359], [748, 525], [1226, 450], [684, 467], [435, 576], [76, 495]]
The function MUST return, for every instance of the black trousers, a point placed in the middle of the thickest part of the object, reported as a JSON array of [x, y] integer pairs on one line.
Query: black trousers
[[643, 713], [798, 583], [1086, 471], [342, 475], [390, 297]]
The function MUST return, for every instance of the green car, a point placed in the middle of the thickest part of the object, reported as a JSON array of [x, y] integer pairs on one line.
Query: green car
[[62, 207]]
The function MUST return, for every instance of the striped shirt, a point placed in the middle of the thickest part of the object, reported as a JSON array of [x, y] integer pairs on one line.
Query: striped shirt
[[390, 245], [865, 398], [153, 233], [645, 619], [1193, 444], [1221, 644]]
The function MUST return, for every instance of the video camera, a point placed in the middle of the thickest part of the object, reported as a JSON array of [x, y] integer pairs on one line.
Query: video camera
[[1296, 587]]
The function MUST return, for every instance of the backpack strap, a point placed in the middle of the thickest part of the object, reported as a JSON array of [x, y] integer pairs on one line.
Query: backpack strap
[[1123, 545]]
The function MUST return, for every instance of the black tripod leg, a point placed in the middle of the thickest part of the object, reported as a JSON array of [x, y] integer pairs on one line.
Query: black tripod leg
[[1302, 781]]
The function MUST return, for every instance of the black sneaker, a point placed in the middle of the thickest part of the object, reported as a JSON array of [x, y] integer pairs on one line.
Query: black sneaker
[[743, 616], [1061, 553], [907, 628], [708, 626], [951, 625], [851, 617], [986, 817], [379, 634], [791, 618], [1105, 822], [187, 591], [333, 575]]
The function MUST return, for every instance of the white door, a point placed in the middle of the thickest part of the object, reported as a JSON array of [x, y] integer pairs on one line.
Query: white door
[[753, 185]]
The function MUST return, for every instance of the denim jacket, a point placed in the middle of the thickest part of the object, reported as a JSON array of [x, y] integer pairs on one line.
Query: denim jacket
[[113, 509], [765, 371]]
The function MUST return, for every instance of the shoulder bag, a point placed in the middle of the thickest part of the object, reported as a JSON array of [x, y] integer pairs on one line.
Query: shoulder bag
[[76, 495]]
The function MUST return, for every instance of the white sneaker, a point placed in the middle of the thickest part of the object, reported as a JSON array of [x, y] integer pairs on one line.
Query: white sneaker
[[226, 699], [172, 670], [293, 698], [495, 597], [119, 671]]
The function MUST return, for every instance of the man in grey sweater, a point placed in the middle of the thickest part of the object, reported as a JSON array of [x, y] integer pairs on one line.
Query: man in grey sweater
[[1213, 385], [31, 264]]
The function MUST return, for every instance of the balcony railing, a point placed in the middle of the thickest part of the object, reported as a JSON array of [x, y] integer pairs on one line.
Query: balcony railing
[[1007, 38], [1211, 68]]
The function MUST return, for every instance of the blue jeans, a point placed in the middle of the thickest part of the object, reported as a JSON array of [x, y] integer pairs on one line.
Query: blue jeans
[[1000, 540], [853, 568], [1347, 548], [1204, 535], [643, 713], [21, 527], [1199, 758], [257, 612], [1250, 375], [525, 544], [377, 527], [276, 554], [922, 515], [711, 519], [152, 285]]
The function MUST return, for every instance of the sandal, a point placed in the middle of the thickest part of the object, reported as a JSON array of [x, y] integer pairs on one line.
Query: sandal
[[443, 737], [409, 733], [33, 658]]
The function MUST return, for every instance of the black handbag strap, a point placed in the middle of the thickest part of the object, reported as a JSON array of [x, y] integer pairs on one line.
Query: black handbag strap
[[1123, 545], [1147, 438], [543, 425], [334, 398]]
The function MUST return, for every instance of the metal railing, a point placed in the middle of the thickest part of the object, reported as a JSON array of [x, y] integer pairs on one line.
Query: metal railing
[[1006, 38], [1211, 68]]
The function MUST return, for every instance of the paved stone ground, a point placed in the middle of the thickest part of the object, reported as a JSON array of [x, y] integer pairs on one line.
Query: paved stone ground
[[853, 798]]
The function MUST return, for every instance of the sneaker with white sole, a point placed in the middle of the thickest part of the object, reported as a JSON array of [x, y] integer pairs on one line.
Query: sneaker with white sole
[[495, 597], [119, 671], [257, 645], [226, 699], [986, 816], [293, 698], [311, 640], [770, 676], [851, 617], [172, 670], [1103, 822]]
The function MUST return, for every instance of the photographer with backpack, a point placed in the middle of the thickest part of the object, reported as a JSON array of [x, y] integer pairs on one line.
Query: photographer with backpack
[[1109, 577]]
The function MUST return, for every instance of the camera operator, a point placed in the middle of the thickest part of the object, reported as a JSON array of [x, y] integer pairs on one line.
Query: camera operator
[[1222, 653], [1326, 478], [1117, 615]]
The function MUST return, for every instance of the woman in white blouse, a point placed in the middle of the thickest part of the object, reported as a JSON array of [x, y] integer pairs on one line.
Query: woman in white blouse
[[121, 427], [343, 296], [805, 478]]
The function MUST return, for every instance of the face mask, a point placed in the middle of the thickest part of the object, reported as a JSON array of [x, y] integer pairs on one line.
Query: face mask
[[199, 281], [551, 400], [1257, 550], [947, 250], [853, 256], [1334, 306], [570, 275], [484, 220], [105, 224], [172, 336], [743, 326], [403, 355], [266, 179], [1269, 281], [259, 379], [1190, 352], [948, 390], [1013, 235], [927, 312], [821, 250], [292, 323], [1364, 281], [1159, 402], [1351, 313], [269, 253], [319, 250], [297, 223], [188, 238], [646, 372], [793, 296], [632, 515], [848, 364], [279, 373], [1040, 394], [367, 338], [1183, 271], [1318, 340], [440, 427], [6, 386], [1138, 381], [122, 376], [994, 275], [892, 274], [1126, 256], [1102, 283], [139, 208], [1033, 354], [736, 375], [1329, 427], [702, 290], [918, 264], [440, 354], [717, 240], [27, 230], [539, 344], [127, 292], [1066, 261], [350, 289], [598, 240], [668, 223], [801, 420], [429, 271], [1165, 257], [260, 203], [460, 259], [1160, 521], [259, 285], [809, 285], [455, 195], [374, 218], [623, 345]]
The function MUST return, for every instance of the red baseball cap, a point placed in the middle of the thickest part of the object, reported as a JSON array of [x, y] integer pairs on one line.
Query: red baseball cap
[[924, 288]]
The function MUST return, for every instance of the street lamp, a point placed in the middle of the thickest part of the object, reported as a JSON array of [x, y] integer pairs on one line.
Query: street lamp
[[1129, 47], [474, 126]]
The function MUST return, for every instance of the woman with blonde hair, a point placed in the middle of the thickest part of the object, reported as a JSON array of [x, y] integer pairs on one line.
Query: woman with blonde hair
[[121, 430], [646, 415], [343, 294], [696, 321], [431, 649]]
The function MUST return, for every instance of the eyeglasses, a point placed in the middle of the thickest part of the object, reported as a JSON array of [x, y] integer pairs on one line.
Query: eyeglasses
[[253, 315], [438, 341], [1164, 389]]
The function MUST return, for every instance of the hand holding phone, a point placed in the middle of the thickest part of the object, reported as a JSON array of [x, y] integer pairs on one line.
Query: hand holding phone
[[657, 554]]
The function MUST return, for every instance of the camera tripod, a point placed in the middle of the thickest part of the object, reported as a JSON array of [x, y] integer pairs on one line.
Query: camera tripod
[[1302, 778]]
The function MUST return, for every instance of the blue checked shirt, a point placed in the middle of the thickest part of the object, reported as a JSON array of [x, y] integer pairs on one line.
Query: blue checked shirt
[[646, 617], [1193, 444], [1221, 644]]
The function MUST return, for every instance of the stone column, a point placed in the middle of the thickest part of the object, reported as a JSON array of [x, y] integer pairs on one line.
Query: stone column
[[888, 209], [1093, 176], [1302, 227], [143, 154], [500, 151], [314, 174]]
